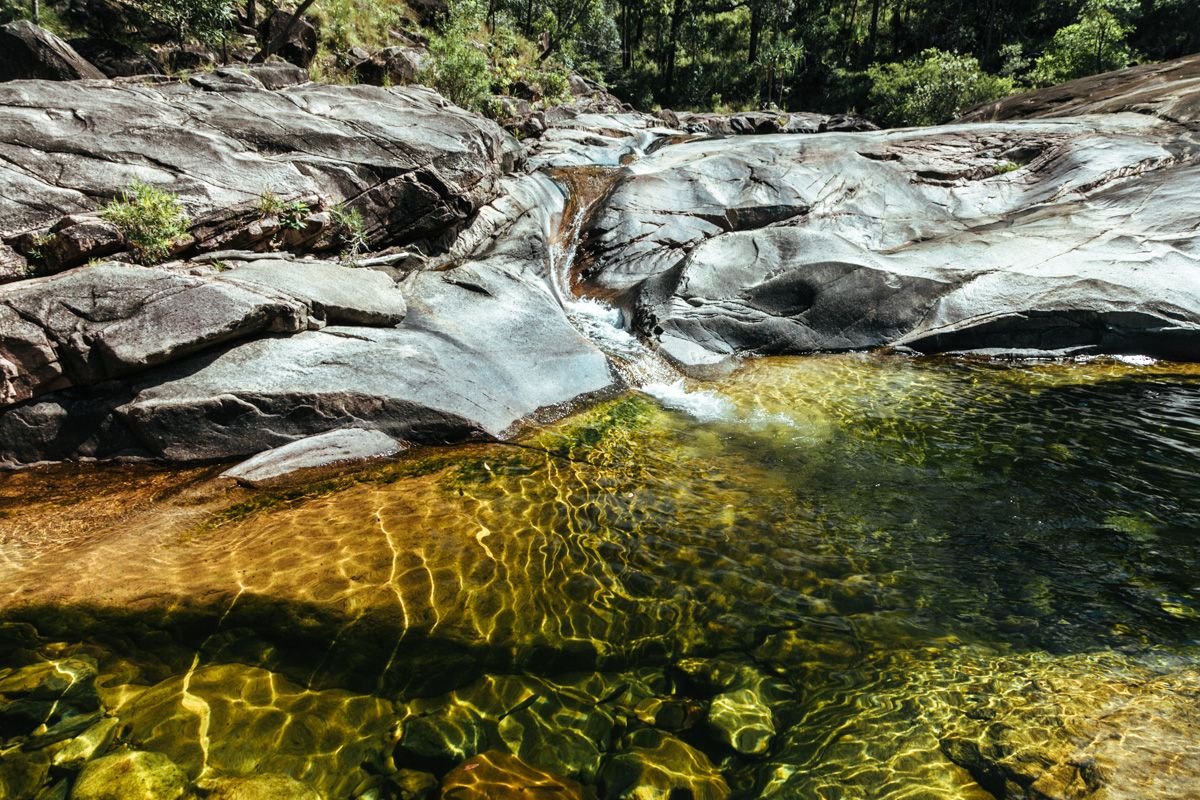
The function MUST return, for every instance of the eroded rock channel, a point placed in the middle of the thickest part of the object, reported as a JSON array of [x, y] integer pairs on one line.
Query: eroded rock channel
[[651, 565]]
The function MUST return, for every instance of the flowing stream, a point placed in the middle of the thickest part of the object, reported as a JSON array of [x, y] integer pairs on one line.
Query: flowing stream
[[847, 576]]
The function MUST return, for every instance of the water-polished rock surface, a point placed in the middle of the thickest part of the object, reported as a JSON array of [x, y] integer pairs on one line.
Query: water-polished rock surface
[[835, 577], [1066, 236], [414, 165]]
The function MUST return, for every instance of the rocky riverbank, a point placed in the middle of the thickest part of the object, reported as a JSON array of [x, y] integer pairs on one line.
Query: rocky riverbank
[[1048, 238]]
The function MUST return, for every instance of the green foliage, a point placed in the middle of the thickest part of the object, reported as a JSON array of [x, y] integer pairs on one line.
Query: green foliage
[[270, 204], [150, 219], [206, 21], [1095, 42], [293, 214], [351, 230], [458, 65], [357, 23], [932, 88]]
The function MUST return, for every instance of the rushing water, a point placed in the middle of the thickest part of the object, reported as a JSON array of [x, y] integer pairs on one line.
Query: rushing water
[[833, 568]]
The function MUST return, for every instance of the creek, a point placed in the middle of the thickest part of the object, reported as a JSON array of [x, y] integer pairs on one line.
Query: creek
[[810, 578]]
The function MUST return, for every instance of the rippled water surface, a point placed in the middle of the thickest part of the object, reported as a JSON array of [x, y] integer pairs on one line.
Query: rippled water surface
[[812, 586]]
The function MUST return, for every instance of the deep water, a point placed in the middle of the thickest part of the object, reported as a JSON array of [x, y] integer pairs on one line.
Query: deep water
[[815, 574]]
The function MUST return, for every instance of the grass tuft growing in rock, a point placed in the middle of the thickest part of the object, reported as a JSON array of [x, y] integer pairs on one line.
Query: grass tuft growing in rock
[[351, 229], [150, 219]]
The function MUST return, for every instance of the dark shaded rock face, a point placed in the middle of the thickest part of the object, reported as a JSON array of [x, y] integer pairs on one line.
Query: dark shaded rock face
[[32, 52], [300, 46], [115, 59], [1073, 236], [1170, 90], [415, 166]]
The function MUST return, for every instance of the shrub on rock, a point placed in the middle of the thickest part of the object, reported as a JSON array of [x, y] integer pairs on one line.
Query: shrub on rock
[[151, 220]]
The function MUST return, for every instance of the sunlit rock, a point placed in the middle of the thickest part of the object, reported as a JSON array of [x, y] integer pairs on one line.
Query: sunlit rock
[[236, 720], [653, 765], [132, 775], [93, 742], [496, 774], [261, 787], [742, 720]]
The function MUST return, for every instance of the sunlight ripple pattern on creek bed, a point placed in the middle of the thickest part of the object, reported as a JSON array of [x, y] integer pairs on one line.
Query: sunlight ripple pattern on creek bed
[[829, 589]]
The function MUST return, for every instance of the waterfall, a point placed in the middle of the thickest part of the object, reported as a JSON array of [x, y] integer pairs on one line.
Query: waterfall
[[642, 367]]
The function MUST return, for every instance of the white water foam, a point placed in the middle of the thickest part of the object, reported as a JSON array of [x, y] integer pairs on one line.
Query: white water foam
[[643, 368]]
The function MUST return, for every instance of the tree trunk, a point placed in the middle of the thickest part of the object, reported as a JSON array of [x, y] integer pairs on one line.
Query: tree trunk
[[252, 13], [37, 12], [873, 32], [755, 32], [276, 42], [673, 49]]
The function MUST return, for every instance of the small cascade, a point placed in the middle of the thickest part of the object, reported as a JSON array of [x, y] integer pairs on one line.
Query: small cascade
[[642, 367]]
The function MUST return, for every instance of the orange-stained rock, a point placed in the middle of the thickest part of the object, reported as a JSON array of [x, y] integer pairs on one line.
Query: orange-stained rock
[[494, 774]]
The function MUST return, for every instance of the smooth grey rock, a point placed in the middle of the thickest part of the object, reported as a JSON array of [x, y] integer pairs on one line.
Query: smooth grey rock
[[13, 266], [1169, 89], [348, 445], [414, 166], [1073, 236], [132, 775], [95, 323], [485, 346], [337, 293], [278, 74], [33, 52]]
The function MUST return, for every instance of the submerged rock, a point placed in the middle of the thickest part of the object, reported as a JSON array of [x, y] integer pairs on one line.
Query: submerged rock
[[743, 721], [1079, 738], [91, 743], [239, 721], [261, 787], [496, 774], [132, 775], [656, 766]]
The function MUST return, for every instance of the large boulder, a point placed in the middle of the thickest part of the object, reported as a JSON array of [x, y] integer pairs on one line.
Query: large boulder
[[483, 346], [33, 52], [297, 40], [115, 59], [1073, 236], [414, 166], [393, 66], [1170, 90]]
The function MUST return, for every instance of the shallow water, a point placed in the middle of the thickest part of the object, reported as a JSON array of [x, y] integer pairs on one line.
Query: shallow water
[[875, 548]]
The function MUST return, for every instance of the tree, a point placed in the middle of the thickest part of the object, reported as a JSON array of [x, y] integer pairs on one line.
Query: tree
[[1094, 43], [932, 88], [204, 20], [458, 66]]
